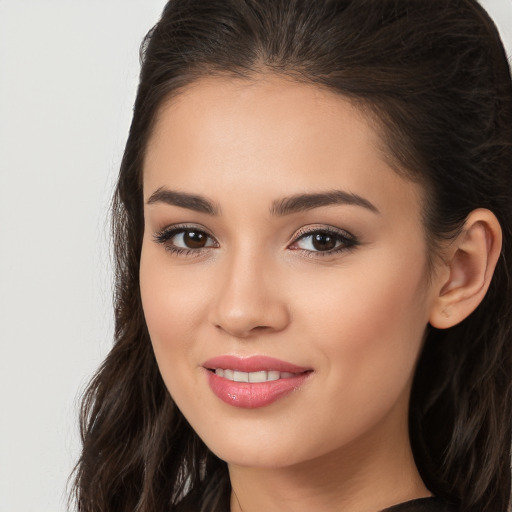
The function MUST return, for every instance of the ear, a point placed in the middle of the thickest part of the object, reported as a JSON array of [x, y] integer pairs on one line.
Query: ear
[[469, 262]]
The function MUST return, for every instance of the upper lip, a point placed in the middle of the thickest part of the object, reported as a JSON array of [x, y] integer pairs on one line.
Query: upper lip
[[250, 364]]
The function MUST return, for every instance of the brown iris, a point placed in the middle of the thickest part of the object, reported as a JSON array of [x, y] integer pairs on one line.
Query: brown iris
[[323, 241], [194, 239]]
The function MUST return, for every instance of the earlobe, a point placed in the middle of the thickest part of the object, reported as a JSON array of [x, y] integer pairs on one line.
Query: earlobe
[[471, 259]]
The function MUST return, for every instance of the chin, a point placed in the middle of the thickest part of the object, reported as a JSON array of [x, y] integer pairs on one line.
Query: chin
[[256, 457]]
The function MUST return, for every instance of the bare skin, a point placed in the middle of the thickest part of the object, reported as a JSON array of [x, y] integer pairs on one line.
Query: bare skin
[[352, 308]]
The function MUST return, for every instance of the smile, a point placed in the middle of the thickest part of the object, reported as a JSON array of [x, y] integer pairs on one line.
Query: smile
[[253, 382]]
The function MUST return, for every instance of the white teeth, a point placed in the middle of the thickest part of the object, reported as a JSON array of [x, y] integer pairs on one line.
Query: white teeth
[[262, 376], [240, 376], [257, 376]]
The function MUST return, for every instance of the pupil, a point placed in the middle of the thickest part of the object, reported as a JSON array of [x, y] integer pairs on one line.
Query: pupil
[[323, 242], [194, 239]]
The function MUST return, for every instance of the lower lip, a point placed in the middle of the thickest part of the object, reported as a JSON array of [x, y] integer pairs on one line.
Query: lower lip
[[249, 395]]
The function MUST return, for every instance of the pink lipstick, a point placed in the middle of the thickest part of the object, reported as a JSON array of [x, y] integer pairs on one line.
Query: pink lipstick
[[252, 382]]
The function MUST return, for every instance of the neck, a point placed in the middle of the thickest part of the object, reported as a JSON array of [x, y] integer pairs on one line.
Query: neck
[[373, 473]]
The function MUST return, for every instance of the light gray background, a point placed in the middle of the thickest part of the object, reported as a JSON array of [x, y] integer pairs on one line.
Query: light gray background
[[68, 74]]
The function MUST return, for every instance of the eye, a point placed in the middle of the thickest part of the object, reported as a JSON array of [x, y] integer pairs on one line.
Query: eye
[[325, 240], [190, 239], [184, 239]]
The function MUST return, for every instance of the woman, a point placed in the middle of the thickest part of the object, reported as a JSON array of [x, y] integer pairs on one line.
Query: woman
[[313, 231]]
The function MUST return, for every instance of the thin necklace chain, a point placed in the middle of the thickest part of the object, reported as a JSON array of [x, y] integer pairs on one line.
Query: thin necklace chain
[[238, 501]]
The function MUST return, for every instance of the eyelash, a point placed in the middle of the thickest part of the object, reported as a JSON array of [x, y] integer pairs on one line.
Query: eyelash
[[346, 240], [165, 235]]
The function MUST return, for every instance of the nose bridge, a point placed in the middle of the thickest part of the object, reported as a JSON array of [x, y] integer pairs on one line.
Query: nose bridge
[[247, 293]]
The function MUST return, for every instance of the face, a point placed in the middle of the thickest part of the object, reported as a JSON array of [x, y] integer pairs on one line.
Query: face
[[283, 271]]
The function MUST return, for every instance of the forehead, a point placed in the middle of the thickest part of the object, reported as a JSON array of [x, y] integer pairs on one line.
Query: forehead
[[268, 134], [245, 109]]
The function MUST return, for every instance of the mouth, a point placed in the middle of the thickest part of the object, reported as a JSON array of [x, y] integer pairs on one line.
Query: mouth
[[261, 376], [253, 382]]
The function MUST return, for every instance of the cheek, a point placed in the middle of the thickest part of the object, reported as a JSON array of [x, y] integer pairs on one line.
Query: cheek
[[369, 328], [172, 308]]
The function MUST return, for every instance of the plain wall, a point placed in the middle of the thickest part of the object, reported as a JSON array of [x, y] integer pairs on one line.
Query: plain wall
[[68, 74]]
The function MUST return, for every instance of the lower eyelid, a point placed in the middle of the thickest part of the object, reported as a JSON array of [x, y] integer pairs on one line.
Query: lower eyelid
[[324, 254], [181, 251]]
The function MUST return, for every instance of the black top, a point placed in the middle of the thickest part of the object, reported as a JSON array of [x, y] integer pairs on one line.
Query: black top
[[421, 505]]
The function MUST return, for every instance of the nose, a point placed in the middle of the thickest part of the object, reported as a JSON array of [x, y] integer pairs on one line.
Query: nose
[[248, 300]]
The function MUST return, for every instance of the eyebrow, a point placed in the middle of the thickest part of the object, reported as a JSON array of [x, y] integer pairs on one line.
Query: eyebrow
[[280, 207], [302, 202], [183, 200]]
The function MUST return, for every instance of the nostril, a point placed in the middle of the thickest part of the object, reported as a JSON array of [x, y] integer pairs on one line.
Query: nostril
[[243, 319], [243, 331]]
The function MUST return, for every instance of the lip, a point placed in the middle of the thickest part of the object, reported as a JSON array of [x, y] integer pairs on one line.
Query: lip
[[249, 395]]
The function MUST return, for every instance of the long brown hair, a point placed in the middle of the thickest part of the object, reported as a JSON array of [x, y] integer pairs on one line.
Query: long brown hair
[[435, 76]]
